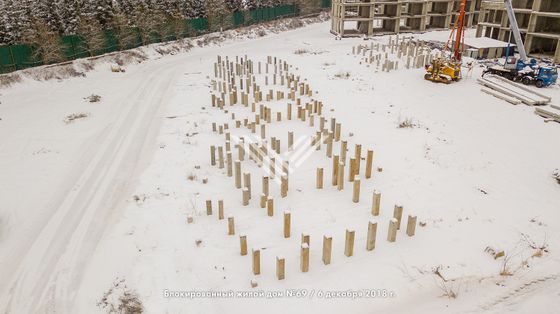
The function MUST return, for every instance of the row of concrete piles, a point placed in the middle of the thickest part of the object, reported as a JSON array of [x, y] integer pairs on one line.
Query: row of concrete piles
[[409, 53], [240, 83]]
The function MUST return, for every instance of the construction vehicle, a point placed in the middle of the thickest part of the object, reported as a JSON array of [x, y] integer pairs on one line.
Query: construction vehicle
[[447, 69], [526, 73], [522, 70]]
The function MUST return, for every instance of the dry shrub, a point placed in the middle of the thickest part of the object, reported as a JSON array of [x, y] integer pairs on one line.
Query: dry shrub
[[342, 75], [87, 65], [91, 32], [539, 249], [75, 116], [301, 51], [47, 42], [51, 48], [174, 47], [93, 98], [507, 268], [119, 299], [294, 23], [406, 123], [57, 72], [450, 288], [7, 80], [130, 56], [518, 258], [208, 39]]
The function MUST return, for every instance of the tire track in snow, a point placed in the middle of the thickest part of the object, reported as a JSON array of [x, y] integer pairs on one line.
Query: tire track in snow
[[51, 270], [520, 291]]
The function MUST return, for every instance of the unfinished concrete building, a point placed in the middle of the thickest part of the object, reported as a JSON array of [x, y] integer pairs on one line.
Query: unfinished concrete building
[[378, 17], [538, 20], [472, 11]]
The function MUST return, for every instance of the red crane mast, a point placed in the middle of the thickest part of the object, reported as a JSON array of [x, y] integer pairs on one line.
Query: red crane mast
[[459, 31]]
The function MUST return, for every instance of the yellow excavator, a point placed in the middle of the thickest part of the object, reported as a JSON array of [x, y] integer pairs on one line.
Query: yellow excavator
[[448, 69], [443, 70]]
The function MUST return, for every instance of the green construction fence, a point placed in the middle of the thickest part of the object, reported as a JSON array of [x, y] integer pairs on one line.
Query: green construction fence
[[22, 56]]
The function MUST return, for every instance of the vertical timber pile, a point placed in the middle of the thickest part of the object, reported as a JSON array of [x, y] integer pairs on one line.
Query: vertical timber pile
[[327, 249], [349, 244]]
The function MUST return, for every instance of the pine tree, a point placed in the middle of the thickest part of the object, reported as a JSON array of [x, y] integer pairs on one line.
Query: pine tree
[[172, 7], [15, 20], [68, 14], [193, 9], [124, 9], [234, 5], [46, 11], [88, 8], [252, 4], [150, 16], [105, 11], [266, 3], [102, 10], [7, 23]]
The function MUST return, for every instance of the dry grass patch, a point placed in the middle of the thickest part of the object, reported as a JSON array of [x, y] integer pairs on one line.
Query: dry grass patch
[[75, 116], [407, 123], [119, 299], [7, 80], [93, 98], [342, 75], [301, 51]]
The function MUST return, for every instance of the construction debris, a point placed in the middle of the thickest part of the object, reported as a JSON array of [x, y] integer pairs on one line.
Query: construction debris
[[511, 100], [508, 90]]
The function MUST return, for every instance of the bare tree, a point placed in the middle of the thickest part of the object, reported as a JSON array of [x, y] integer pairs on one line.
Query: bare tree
[[174, 27], [91, 31], [46, 41], [124, 34], [308, 6], [218, 15], [149, 23]]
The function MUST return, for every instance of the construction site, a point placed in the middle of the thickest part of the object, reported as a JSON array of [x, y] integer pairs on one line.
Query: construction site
[[539, 24], [377, 156], [381, 17], [539, 20]]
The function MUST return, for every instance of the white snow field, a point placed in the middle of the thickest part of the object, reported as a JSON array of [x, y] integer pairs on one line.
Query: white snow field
[[98, 207]]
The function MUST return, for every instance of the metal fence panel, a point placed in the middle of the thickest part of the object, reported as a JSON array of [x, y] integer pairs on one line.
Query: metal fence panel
[[21, 56], [7, 63]]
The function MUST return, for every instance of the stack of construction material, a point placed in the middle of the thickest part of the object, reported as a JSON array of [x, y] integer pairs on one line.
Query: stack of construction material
[[511, 92], [551, 112]]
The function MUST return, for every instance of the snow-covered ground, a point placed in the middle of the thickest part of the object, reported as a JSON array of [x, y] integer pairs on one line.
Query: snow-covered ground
[[101, 203]]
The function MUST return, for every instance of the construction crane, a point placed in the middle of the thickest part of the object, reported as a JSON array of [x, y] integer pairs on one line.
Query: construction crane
[[522, 70], [448, 69], [515, 30]]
